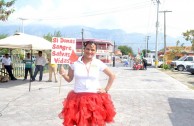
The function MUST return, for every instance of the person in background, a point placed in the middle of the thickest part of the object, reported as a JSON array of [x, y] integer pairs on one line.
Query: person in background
[[89, 103], [28, 66], [126, 63], [39, 66], [7, 64], [52, 70], [145, 63]]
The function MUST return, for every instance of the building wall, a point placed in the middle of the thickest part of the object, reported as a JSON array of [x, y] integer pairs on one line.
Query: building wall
[[104, 49]]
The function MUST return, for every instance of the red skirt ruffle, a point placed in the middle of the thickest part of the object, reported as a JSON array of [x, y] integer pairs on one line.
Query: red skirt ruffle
[[87, 109]]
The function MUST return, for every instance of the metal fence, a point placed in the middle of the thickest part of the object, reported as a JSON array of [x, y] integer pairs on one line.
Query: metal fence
[[19, 69]]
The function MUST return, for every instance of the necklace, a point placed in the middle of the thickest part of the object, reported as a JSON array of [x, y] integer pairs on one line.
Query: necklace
[[87, 66]]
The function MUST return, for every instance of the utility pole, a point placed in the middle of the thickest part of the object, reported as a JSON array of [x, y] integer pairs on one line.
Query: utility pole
[[22, 23], [82, 41], [114, 54], [157, 25], [164, 29], [22, 19], [147, 38]]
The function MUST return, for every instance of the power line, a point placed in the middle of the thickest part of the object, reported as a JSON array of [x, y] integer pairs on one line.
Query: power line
[[99, 12], [126, 43]]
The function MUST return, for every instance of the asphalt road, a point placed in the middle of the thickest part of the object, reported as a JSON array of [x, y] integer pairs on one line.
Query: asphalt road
[[141, 98]]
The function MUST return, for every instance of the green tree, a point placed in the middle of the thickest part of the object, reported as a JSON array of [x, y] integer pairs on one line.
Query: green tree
[[2, 36], [189, 36], [3, 50], [144, 52], [49, 35], [5, 10], [49, 38], [125, 50]]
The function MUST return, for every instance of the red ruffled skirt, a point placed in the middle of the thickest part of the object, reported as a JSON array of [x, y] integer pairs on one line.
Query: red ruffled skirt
[[87, 109]]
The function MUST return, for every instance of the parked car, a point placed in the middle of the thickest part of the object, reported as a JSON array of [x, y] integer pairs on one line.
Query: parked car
[[190, 68], [160, 63], [181, 63], [150, 61]]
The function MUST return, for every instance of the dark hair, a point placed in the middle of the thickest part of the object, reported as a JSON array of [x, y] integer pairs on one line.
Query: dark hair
[[89, 42], [40, 52]]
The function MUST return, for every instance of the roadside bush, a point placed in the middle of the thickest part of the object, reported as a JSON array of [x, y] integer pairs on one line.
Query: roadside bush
[[165, 66]]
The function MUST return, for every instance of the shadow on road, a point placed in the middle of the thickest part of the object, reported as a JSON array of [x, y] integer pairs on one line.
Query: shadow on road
[[11, 83], [182, 111], [191, 82]]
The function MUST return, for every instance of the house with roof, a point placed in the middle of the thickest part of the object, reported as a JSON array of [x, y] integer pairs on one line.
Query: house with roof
[[104, 49]]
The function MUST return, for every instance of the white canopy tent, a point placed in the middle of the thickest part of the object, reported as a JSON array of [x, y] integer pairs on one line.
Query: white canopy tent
[[25, 41]]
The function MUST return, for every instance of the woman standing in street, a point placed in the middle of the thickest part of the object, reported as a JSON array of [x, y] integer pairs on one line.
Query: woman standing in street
[[88, 104], [52, 71]]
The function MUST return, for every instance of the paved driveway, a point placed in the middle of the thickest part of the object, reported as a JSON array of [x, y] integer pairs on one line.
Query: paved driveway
[[142, 98]]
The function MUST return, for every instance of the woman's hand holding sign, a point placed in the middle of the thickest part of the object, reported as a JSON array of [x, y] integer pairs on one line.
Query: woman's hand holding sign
[[62, 70]]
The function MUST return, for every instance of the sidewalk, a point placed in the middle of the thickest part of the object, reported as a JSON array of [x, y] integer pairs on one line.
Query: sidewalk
[[141, 98]]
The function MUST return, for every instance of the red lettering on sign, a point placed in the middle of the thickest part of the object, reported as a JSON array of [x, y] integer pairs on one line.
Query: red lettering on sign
[[62, 47], [63, 40], [61, 61], [61, 53], [55, 40]]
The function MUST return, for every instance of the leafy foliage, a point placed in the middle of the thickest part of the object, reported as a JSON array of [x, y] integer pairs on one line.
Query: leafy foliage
[[2, 36], [166, 66], [3, 50], [125, 50], [144, 52], [49, 38], [4, 9], [189, 36], [49, 35]]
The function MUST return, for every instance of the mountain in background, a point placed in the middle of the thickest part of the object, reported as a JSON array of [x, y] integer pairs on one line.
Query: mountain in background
[[136, 41]]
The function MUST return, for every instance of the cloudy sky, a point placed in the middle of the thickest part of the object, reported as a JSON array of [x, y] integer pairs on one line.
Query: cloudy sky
[[129, 15]]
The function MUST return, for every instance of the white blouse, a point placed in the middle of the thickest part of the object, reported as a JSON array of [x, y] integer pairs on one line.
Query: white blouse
[[87, 76]]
